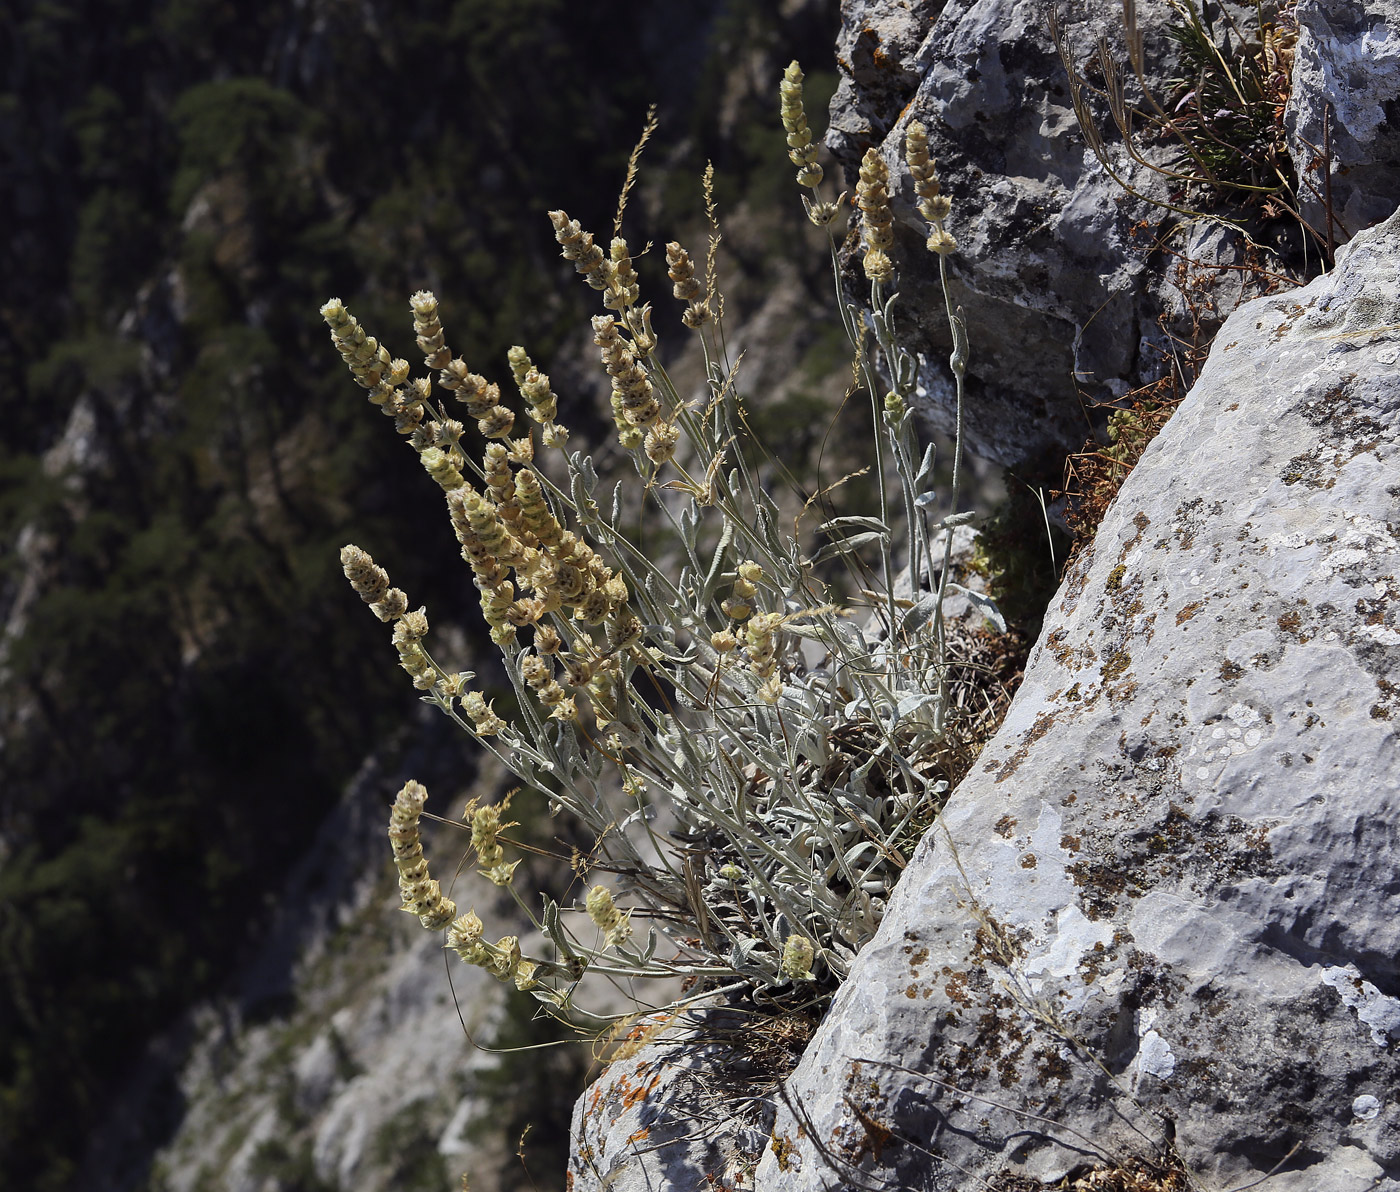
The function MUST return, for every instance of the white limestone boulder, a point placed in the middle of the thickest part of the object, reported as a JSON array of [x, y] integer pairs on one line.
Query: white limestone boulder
[[1162, 915]]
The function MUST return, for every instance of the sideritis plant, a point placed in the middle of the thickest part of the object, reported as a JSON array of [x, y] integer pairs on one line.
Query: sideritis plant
[[754, 750]]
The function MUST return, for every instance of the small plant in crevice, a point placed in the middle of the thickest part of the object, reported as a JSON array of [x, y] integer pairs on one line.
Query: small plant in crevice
[[1217, 137], [1093, 475], [754, 749]]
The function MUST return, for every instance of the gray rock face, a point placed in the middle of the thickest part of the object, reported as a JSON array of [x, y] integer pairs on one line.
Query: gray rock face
[[692, 1109], [1043, 232], [1347, 73], [1161, 916], [1060, 293]]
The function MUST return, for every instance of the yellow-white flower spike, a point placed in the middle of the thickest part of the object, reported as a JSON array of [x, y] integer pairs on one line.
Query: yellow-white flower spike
[[615, 926], [798, 955], [801, 149], [421, 894]]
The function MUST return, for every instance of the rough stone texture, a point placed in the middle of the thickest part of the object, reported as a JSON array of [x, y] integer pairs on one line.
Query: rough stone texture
[[691, 1109], [1348, 65], [1061, 299], [1042, 231], [1164, 908]]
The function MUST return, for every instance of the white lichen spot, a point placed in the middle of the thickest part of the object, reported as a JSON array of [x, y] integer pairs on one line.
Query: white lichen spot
[[1154, 1057], [1366, 1107], [1243, 715], [1375, 1009]]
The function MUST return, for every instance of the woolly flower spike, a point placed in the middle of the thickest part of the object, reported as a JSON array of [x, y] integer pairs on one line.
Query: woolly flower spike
[[615, 926], [422, 896], [747, 577], [921, 165], [409, 631], [428, 329], [486, 825], [933, 206], [578, 247], [634, 406], [660, 443], [368, 362], [372, 583], [941, 242], [482, 399], [535, 514], [534, 387], [464, 938], [801, 150], [798, 954], [484, 718], [538, 672], [876, 218], [622, 289], [442, 469], [681, 272], [685, 286], [485, 543], [763, 635]]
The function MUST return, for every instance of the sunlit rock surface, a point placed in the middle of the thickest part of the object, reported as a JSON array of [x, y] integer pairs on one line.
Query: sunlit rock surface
[[1162, 914]]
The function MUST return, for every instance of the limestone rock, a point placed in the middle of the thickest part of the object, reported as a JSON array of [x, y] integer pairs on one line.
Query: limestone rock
[[691, 1109], [1053, 268], [1347, 73], [1043, 233], [1161, 916]]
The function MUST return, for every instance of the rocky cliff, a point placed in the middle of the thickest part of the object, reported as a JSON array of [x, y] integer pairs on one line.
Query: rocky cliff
[[1151, 942]]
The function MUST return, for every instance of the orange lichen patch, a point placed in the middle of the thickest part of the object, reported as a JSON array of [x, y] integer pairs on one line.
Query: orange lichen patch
[[1188, 611], [639, 1135], [635, 1096]]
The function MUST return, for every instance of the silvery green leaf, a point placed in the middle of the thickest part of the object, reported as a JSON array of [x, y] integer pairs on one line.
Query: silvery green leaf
[[983, 604], [904, 371], [912, 703], [816, 632], [925, 499], [552, 927], [857, 851], [726, 536], [582, 465], [920, 615], [924, 475], [853, 522], [743, 949], [843, 546], [616, 503], [689, 521], [763, 524], [954, 520]]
